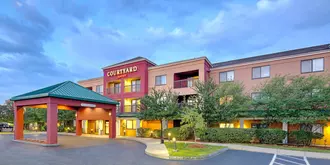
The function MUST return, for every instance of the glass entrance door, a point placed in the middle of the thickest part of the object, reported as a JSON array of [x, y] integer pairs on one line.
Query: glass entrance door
[[107, 127]]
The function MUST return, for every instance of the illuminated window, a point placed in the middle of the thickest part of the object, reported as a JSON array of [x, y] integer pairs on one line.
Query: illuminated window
[[226, 125], [226, 99], [130, 124]]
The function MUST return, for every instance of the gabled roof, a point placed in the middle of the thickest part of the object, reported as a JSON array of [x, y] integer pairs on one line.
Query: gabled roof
[[273, 55], [136, 59], [66, 90]]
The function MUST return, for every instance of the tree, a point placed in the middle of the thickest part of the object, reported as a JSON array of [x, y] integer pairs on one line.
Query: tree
[[159, 105], [7, 112], [302, 100], [206, 100], [232, 100], [220, 103], [192, 121]]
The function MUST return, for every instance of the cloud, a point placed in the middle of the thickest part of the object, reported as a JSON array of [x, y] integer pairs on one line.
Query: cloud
[[73, 8]]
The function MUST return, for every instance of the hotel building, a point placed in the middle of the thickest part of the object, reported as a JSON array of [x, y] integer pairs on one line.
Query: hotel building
[[130, 80]]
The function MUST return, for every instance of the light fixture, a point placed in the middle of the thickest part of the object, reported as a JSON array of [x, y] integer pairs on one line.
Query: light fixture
[[75, 114], [169, 136], [109, 113]]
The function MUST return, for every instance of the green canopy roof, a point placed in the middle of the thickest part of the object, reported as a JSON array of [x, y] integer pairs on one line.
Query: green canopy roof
[[66, 90]]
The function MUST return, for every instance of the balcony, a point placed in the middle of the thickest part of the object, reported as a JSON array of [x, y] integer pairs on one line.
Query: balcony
[[133, 88], [113, 90], [131, 108], [185, 83]]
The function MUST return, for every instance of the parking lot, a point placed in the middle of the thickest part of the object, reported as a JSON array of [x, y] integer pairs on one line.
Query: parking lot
[[97, 151]]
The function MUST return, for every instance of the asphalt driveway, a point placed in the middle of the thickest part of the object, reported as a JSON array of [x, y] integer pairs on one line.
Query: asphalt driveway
[[96, 151]]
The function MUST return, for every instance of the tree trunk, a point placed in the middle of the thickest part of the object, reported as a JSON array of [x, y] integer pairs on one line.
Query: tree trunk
[[195, 135], [161, 132]]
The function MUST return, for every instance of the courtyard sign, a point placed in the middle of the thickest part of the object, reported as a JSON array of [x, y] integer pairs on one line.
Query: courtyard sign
[[123, 71]]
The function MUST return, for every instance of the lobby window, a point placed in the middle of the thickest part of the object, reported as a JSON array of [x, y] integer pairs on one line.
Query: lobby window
[[227, 76], [130, 124], [226, 125], [99, 89], [259, 125], [261, 72], [313, 65], [161, 80]]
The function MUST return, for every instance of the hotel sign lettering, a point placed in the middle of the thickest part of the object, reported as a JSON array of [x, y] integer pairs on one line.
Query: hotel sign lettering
[[123, 71]]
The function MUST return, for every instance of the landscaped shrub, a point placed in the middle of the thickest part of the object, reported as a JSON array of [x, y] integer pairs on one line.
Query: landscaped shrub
[[302, 137], [227, 135], [156, 133], [60, 128], [177, 133], [143, 132], [270, 136]]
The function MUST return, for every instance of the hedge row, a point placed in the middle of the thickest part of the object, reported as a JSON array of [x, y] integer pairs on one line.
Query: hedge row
[[237, 135]]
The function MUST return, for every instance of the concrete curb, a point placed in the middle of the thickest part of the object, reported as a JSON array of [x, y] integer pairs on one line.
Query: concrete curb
[[167, 157], [40, 144], [317, 155]]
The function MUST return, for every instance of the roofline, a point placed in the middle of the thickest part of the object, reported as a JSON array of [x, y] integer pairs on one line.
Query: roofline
[[274, 54], [90, 79], [272, 59], [129, 62], [181, 61]]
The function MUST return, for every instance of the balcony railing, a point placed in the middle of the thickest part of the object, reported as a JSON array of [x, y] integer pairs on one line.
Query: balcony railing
[[131, 108], [185, 83], [133, 88], [113, 90]]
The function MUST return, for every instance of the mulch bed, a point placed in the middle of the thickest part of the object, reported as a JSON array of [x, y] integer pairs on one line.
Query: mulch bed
[[197, 146], [35, 141]]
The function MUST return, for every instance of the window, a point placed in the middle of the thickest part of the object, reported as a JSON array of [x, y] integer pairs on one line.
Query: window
[[118, 107], [255, 95], [130, 124], [259, 125], [313, 65], [99, 89], [135, 85], [117, 88], [227, 76], [161, 80], [260, 72], [226, 125]]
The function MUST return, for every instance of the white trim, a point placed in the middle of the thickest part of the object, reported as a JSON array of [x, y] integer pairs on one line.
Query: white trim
[[270, 60]]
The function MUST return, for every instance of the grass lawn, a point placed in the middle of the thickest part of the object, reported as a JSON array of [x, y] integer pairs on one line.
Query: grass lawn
[[190, 149], [308, 149]]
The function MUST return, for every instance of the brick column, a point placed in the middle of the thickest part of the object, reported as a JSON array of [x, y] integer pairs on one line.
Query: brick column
[[137, 126], [112, 123], [51, 123], [78, 127], [18, 122]]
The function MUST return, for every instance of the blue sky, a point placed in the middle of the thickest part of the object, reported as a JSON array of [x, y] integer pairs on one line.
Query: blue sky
[[43, 42]]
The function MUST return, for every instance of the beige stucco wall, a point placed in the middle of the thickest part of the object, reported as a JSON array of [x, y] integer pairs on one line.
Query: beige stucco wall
[[91, 83], [280, 66], [170, 69]]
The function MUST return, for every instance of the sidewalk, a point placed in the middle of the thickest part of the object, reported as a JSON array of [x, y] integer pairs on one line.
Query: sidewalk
[[154, 148], [271, 150]]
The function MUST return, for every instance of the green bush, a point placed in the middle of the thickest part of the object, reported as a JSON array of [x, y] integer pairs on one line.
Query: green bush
[[302, 137], [270, 136], [227, 135], [60, 128], [178, 133], [143, 132], [156, 133], [317, 135]]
